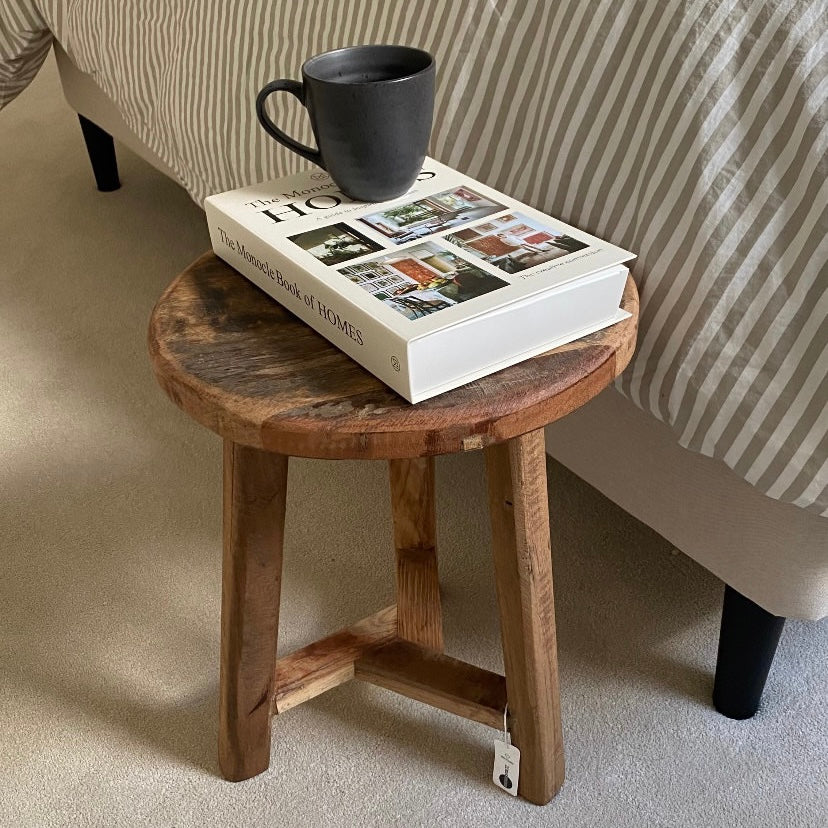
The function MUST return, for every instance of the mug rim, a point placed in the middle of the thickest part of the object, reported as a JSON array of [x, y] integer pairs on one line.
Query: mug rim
[[307, 66]]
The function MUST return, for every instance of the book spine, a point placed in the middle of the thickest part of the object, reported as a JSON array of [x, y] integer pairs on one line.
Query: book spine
[[329, 313]]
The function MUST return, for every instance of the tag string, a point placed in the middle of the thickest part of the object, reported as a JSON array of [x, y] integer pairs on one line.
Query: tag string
[[506, 738]]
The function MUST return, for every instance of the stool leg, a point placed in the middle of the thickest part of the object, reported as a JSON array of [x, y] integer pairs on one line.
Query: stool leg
[[254, 518], [523, 576], [419, 616]]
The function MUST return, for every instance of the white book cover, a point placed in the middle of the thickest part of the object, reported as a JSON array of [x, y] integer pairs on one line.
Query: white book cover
[[447, 283]]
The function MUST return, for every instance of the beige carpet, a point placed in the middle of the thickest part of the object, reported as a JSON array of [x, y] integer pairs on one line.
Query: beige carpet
[[109, 597]]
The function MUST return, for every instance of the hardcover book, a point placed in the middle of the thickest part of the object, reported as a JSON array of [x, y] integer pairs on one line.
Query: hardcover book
[[447, 283]]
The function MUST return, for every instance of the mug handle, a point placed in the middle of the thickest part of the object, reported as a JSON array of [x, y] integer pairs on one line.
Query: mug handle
[[296, 89]]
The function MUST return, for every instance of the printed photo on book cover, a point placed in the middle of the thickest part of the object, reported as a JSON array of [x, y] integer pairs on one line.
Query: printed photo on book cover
[[335, 243], [422, 280], [515, 242], [432, 214]]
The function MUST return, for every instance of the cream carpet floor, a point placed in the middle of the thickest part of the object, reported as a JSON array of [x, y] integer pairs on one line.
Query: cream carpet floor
[[109, 597]]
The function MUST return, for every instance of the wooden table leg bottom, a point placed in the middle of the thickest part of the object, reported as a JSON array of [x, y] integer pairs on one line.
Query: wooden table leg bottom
[[254, 517], [518, 504]]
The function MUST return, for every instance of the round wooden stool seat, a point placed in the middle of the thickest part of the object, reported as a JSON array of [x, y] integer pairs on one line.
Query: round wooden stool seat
[[246, 368]]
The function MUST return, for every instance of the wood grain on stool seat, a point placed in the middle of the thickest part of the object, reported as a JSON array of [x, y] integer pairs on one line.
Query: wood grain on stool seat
[[246, 368]]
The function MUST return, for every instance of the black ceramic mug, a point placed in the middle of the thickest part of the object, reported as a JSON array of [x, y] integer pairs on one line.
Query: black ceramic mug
[[371, 109]]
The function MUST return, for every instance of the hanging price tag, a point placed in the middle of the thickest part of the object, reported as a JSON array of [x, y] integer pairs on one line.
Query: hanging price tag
[[506, 770], [506, 767]]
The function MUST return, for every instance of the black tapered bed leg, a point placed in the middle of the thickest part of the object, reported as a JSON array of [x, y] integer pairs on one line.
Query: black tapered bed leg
[[747, 644], [101, 149]]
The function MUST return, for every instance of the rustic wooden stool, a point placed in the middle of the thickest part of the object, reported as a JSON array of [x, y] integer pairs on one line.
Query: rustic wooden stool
[[244, 367]]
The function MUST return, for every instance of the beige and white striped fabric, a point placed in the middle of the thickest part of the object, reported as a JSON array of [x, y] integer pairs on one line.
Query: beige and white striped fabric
[[692, 132]]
